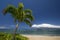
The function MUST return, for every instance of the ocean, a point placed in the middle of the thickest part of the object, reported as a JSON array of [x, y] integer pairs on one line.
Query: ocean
[[36, 31]]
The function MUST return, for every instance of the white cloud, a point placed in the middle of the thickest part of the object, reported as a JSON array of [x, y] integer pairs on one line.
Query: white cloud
[[45, 25]]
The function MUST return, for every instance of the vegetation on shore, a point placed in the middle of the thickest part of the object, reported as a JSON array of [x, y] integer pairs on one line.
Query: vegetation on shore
[[9, 36]]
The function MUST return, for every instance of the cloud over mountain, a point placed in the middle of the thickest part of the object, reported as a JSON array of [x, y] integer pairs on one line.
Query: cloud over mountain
[[45, 25]]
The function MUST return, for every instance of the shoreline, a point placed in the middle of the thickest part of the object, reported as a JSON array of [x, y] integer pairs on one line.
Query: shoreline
[[40, 37]]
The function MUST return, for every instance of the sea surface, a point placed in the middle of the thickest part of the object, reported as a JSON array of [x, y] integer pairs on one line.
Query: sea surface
[[35, 31]]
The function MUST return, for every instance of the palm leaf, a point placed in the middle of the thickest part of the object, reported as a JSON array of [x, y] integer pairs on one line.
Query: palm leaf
[[19, 14], [28, 22], [30, 17], [10, 9], [28, 11], [20, 7]]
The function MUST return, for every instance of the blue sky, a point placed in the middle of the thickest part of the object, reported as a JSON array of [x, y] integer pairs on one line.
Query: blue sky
[[44, 11]]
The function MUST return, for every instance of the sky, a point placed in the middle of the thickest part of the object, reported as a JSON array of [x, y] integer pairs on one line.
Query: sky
[[44, 12]]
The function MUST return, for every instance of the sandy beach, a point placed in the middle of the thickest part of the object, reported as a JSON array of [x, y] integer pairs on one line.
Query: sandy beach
[[39, 37]]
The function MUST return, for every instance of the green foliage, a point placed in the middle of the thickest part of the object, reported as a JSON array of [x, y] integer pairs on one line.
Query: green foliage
[[7, 36], [20, 37], [19, 14]]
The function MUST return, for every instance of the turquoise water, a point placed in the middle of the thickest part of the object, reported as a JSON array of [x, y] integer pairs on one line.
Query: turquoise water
[[36, 31]]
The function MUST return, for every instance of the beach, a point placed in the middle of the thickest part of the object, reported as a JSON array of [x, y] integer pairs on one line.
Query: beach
[[40, 37]]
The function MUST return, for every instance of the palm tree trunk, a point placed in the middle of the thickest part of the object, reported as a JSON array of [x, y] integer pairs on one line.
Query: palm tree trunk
[[14, 34]]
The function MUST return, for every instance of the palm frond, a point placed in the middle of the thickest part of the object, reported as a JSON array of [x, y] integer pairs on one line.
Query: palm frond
[[28, 22], [30, 17], [19, 14], [28, 11], [9, 9], [20, 7]]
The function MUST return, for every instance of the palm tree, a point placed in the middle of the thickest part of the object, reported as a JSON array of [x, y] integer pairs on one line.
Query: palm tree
[[19, 14]]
